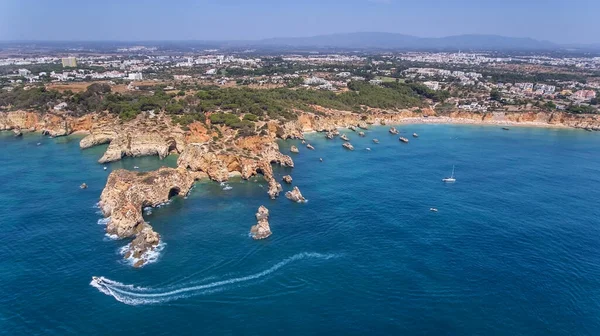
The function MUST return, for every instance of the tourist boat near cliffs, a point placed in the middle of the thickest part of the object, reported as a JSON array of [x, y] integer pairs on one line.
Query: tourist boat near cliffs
[[344, 137], [402, 139], [393, 130]]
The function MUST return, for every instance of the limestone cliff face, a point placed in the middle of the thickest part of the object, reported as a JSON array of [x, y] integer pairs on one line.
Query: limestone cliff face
[[126, 194], [48, 123], [585, 121], [131, 144], [246, 157]]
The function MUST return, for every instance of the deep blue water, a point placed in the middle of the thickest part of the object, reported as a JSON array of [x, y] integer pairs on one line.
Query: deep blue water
[[513, 250]]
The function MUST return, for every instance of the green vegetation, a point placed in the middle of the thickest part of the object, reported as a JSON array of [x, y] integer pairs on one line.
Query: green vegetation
[[581, 109], [495, 95]]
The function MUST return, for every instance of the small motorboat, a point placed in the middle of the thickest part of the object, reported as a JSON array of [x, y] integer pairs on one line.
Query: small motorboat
[[368, 148], [415, 135], [105, 168], [505, 128], [136, 167], [321, 159], [98, 280], [403, 139], [393, 130], [344, 137], [375, 141], [433, 209]]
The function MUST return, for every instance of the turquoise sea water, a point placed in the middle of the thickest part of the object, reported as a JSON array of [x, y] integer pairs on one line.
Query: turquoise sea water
[[513, 250]]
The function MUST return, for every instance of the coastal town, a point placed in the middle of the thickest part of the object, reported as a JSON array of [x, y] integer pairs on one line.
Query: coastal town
[[476, 81]]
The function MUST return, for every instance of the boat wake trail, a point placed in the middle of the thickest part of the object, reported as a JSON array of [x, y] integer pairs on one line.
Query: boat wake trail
[[134, 295]]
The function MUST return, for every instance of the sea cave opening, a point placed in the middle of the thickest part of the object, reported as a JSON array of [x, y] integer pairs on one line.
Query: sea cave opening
[[174, 192]]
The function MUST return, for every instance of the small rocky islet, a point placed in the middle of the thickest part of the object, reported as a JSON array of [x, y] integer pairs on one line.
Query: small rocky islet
[[215, 152]]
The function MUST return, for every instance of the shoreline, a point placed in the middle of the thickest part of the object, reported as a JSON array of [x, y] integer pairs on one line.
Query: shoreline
[[466, 121]]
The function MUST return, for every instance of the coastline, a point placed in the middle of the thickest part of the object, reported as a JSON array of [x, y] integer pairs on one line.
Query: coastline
[[218, 153], [466, 121]]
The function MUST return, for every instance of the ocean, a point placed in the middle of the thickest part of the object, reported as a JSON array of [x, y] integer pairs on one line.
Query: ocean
[[513, 249]]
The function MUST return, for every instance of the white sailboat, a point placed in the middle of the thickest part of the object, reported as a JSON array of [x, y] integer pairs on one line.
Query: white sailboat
[[451, 178]]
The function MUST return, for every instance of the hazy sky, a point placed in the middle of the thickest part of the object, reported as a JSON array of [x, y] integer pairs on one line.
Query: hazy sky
[[564, 21]]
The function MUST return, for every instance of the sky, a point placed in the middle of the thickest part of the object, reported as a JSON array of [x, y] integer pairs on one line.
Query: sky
[[564, 21]]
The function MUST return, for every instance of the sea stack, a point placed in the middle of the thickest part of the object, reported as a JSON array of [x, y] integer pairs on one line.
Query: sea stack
[[287, 179], [295, 195], [262, 229], [294, 149], [348, 145]]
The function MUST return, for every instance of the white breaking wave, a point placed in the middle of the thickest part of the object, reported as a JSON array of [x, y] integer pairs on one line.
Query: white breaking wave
[[148, 256], [132, 295], [104, 221], [109, 236]]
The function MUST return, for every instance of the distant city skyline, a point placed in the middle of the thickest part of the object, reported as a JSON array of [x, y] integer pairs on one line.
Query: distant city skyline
[[565, 22]]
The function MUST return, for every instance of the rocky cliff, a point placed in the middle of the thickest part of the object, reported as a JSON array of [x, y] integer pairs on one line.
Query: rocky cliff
[[245, 157], [129, 144], [126, 194]]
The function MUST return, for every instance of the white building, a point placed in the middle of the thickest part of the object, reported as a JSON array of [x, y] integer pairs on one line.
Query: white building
[[24, 72], [136, 76]]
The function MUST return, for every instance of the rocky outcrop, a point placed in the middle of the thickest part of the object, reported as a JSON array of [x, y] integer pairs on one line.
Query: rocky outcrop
[[143, 243], [295, 195], [135, 145], [125, 195], [96, 139], [363, 125], [201, 157], [294, 149], [248, 157], [287, 179], [17, 132], [262, 229], [348, 146]]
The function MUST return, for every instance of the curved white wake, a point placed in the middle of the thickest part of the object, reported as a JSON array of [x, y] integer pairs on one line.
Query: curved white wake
[[133, 295]]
